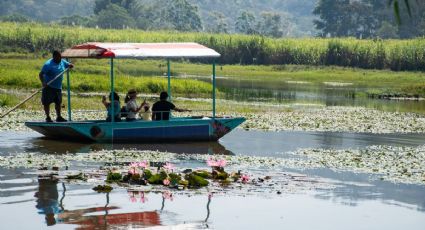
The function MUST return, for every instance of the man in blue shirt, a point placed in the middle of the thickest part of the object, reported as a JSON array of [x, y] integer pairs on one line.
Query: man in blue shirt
[[52, 93]]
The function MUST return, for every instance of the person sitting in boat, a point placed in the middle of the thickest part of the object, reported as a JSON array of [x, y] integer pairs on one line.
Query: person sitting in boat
[[161, 109], [116, 104], [146, 112], [131, 106]]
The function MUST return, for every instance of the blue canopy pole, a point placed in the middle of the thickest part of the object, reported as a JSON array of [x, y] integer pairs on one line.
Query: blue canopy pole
[[69, 94], [169, 79], [112, 91], [213, 90]]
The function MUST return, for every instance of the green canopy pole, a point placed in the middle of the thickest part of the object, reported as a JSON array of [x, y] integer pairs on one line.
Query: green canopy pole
[[213, 90], [69, 95], [169, 79], [112, 91]]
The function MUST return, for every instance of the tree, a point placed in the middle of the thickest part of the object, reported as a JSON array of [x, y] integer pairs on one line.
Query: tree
[[387, 31], [183, 16], [114, 17], [75, 20], [100, 5], [341, 18], [217, 23], [14, 18], [245, 23], [270, 24]]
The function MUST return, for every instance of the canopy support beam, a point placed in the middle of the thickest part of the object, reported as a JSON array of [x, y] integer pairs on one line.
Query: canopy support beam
[[69, 94], [112, 91], [213, 90], [169, 79]]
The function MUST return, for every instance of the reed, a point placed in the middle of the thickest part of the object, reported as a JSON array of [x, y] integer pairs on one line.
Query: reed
[[235, 49]]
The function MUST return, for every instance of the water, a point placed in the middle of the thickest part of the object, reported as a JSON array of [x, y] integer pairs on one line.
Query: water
[[356, 201], [347, 201], [279, 91]]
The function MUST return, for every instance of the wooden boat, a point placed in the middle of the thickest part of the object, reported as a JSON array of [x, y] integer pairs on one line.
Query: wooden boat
[[209, 128]]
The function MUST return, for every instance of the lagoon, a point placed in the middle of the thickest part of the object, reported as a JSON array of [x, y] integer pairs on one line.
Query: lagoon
[[345, 199]]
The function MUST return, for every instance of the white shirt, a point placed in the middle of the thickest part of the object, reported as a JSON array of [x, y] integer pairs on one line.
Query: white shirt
[[131, 106]]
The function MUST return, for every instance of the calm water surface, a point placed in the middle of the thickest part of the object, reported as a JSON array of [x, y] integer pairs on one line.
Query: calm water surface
[[357, 201], [257, 90]]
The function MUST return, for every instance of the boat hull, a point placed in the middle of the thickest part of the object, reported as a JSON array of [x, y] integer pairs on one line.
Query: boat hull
[[176, 129]]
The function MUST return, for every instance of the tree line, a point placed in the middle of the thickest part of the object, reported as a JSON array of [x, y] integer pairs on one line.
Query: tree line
[[370, 18], [215, 16]]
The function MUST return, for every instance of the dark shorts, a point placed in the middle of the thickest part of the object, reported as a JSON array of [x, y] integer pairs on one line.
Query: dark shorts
[[51, 95]]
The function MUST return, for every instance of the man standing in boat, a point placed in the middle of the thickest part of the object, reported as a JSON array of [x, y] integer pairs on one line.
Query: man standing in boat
[[52, 92]]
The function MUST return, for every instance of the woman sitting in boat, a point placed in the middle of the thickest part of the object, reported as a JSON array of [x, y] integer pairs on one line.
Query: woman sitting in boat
[[161, 109], [116, 104], [131, 106]]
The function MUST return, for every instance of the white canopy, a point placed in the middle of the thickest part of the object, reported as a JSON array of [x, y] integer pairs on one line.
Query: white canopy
[[140, 50]]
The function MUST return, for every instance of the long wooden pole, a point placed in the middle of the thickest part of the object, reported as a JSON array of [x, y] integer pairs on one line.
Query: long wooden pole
[[32, 95]]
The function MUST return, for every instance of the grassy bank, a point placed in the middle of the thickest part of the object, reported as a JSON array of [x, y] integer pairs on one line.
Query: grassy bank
[[93, 76], [21, 71], [235, 49]]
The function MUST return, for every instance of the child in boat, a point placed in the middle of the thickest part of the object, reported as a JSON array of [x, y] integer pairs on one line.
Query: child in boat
[[131, 105], [146, 112], [116, 104]]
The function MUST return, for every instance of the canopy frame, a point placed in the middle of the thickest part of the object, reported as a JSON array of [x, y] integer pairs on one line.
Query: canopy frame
[[94, 51]]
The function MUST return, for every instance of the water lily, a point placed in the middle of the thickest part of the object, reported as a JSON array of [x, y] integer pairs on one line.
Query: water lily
[[245, 178], [143, 164], [168, 167], [166, 182], [211, 162], [221, 163]]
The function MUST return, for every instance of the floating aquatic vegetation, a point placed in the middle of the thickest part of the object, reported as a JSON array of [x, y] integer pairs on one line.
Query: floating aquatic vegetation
[[316, 118], [337, 119], [119, 161], [398, 164], [103, 188]]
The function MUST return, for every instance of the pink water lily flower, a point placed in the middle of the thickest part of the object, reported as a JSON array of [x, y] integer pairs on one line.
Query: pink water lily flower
[[211, 162], [143, 164], [134, 164], [166, 182], [221, 163], [216, 163], [133, 170], [245, 178], [168, 166]]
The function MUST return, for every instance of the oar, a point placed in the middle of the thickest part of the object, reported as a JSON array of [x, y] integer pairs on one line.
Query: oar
[[32, 95]]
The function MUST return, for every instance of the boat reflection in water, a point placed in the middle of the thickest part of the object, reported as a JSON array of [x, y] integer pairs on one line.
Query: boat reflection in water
[[44, 145], [49, 204]]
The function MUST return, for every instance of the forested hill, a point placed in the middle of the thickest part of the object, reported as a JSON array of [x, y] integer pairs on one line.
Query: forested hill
[[272, 18], [296, 15], [296, 18]]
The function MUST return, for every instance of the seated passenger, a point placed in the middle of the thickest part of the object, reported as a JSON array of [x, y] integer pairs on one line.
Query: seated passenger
[[146, 112], [116, 104], [131, 107], [161, 109]]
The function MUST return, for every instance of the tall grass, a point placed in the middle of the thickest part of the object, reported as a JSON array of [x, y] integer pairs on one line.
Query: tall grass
[[93, 76], [235, 49]]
